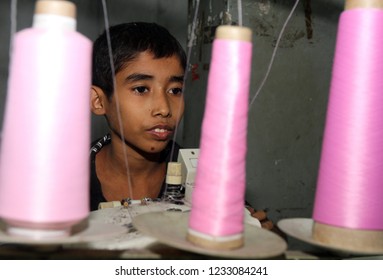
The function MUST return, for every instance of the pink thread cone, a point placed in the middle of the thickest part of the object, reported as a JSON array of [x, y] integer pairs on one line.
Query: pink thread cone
[[218, 196], [350, 183], [44, 153]]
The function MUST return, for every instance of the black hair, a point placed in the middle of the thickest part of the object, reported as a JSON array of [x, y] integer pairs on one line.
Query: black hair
[[127, 41]]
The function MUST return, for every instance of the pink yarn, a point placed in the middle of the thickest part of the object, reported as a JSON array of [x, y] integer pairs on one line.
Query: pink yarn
[[350, 183], [218, 196], [44, 166]]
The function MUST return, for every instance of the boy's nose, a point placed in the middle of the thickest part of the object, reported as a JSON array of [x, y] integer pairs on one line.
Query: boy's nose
[[160, 105]]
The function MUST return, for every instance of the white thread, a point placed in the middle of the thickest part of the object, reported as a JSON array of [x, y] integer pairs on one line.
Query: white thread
[[190, 46], [116, 95], [13, 25], [274, 53], [239, 12]]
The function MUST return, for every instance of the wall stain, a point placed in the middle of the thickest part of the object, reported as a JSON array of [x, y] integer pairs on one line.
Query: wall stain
[[308, 20], [289, 39], [264, 25], [194, 72], [261, 27]]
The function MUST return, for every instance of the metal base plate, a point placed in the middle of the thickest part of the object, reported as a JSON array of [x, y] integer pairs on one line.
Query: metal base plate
[[82, 233], [171, 229], [301, 229]]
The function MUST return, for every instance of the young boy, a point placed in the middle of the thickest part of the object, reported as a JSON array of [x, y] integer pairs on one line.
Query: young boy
[[141, 98], [142, 101]]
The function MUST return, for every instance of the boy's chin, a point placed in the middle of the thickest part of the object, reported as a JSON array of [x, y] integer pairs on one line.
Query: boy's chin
[[157, 147]]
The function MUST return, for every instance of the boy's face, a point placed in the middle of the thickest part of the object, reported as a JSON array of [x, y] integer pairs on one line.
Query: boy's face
[[151, 104]]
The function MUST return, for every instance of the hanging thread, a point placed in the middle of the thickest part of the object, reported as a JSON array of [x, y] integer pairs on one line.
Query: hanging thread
[[349, 190], [13, 20], [216, 218], [44, 166], [240, 14], [187, 70], [274, 53], [116, 96]]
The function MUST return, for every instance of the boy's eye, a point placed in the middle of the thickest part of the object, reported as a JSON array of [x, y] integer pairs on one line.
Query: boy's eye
[[176, 91], [140, 90]]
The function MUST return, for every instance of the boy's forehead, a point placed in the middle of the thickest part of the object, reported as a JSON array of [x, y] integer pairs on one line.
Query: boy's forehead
[[147, 62], [150, 68], [149, 55]]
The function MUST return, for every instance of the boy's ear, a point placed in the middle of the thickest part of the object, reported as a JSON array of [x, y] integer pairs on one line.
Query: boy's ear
[[97, 100]]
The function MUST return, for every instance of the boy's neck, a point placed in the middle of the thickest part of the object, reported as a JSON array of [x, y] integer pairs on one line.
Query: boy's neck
[[142, 178], [119, 154]]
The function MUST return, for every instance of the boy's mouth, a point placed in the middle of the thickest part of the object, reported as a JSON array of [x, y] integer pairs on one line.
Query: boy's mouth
[[161, 132]]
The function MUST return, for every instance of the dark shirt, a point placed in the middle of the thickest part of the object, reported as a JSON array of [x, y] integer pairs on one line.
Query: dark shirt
[[96, 195]]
